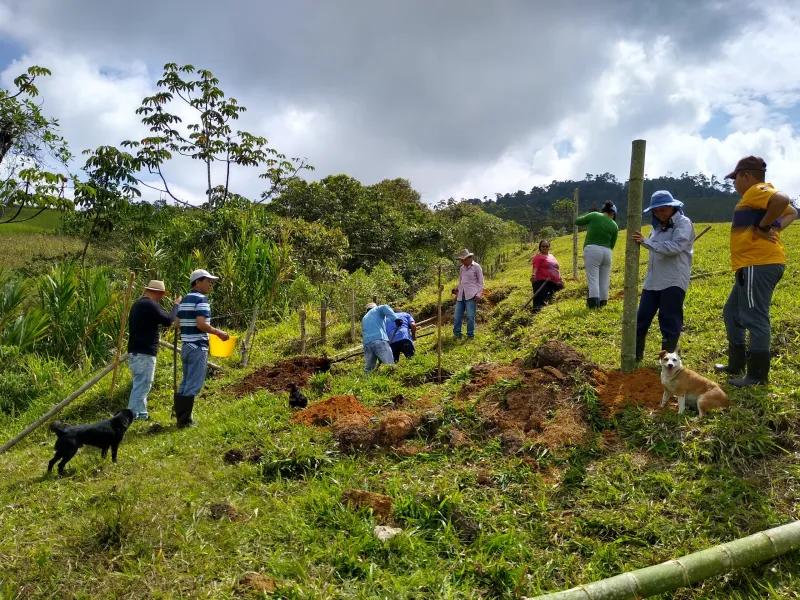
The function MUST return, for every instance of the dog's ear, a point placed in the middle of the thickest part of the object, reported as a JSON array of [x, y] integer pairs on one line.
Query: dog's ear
[[662, 354], [678, 352]]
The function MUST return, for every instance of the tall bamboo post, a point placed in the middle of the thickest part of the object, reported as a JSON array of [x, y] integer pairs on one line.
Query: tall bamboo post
[[177, 328], [303, 331], [689, 569], [634, 224], [575, 235], [439, 329], [352, 316], [249, 336], [323, 322], [121, 335]]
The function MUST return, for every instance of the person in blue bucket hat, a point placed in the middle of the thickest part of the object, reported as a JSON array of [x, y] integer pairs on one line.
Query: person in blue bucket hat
[[669, 267]]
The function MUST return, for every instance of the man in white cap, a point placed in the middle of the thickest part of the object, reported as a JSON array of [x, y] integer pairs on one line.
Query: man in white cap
[[194, 313], [374, 336], [144, 319], [470, 288]]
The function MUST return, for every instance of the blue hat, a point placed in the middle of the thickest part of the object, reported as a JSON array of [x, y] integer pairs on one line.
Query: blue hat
[[662, 198], [612, 208]]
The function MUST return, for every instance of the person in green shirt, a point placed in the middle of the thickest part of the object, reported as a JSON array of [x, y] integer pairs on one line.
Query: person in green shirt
[[601, 237]]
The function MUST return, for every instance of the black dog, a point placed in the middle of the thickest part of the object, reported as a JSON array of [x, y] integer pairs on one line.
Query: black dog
[[296, 398], [103, 435]]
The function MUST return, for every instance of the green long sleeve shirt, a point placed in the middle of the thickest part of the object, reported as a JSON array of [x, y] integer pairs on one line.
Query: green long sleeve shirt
[[602, 229]]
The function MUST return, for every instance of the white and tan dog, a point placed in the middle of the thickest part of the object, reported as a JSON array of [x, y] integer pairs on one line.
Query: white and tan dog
[[685, 383]]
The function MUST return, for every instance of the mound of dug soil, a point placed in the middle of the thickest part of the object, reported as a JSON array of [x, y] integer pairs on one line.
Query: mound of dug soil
[[331, 411], [615, 389], [297, 370]]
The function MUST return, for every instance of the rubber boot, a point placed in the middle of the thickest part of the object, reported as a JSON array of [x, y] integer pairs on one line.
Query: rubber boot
[[640, 341], [602, 303], [176, 403], [670, 344], [184, 417], [592, 303], [757, 371], [737, 360]]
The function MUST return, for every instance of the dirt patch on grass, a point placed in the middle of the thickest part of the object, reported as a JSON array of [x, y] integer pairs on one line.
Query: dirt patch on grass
[[331, 410], [615, 389], [276, 378], [380, 505]]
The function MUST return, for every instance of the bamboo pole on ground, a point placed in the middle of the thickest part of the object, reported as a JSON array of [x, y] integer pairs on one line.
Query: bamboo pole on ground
[[575, 235], [249, 336], [690, 569], [632, 250], [303, 331], [439, 329], [121, 336], [65, 402]]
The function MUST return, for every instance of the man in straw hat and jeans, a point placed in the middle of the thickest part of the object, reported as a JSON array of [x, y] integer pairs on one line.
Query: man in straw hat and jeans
[[194, 313], [759, 260], [145, 317], [470, 288]]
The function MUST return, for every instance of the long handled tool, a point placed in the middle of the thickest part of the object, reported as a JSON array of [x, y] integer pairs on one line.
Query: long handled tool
[[539, 291], [121, 336]]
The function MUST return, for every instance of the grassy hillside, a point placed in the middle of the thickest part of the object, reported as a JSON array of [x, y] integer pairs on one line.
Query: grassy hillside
[[587, 493]]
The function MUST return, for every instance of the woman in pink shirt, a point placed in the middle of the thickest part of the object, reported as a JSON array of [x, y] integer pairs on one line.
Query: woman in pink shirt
[[546, 278]]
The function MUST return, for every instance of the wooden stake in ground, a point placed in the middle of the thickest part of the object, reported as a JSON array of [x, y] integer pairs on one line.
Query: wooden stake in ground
[[352, 316], [634, 224], [177, 328], [249, 336], [302, 331], [323, 322], [575, 235], [439, 329], [65, 402], [121, 336]]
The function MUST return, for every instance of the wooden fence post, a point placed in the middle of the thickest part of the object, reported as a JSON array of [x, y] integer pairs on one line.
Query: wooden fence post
[[323, 322], [303, 331], [121, 336], [439, 329], [575, 236], [353, 317], [248, 337], [634, 223]]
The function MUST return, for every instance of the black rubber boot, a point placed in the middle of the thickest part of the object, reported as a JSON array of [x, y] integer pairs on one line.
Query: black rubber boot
[[757, 371], [640, 342], [737, 360], [670, 344], [176, 403], [185, 417], [602, 303], [592, 303]]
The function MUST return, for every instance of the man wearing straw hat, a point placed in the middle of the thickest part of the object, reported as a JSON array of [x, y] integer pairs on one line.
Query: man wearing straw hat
[[470, 288], [144, 319], [194, 313]]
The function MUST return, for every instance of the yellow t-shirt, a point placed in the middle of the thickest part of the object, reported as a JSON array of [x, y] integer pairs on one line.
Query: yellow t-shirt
[[746, 251]]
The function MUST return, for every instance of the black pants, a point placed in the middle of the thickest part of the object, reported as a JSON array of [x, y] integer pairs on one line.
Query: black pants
[[402, 347], [668, 303], [543, 297]]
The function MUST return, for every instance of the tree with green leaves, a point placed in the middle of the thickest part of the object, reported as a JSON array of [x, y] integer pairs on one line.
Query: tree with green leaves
[[29, 143]]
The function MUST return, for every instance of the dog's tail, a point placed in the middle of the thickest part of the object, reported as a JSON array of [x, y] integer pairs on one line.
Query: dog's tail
[[57, 427]]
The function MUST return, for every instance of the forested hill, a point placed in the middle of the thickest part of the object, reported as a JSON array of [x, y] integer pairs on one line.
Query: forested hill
[[707, 199]]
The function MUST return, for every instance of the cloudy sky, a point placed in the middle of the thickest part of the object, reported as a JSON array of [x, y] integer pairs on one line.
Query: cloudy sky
[[463, 97]]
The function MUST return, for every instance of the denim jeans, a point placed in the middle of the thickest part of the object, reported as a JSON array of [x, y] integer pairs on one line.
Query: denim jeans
[[194, 359], [143, 369], [468, 306], [377, 350]]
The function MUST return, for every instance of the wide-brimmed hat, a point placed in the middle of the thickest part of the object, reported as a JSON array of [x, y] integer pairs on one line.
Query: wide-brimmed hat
[[197, 274], [662, 198], [156, 286], [464, 254], [748, 163]]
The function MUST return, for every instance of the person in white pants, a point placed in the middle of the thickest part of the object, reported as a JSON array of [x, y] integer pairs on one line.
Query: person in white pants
[[601, 237]]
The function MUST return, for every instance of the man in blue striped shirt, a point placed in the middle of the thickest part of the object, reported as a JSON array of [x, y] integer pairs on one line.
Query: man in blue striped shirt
[[194, 313]]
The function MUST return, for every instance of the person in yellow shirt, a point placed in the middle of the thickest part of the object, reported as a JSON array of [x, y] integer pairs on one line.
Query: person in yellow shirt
[[758, 259]]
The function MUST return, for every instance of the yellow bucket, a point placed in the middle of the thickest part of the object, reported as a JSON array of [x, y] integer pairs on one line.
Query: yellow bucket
[[216, 347]]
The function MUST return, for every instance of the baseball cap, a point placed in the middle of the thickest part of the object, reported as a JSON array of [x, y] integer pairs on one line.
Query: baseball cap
[[748, 163], [197, 274]]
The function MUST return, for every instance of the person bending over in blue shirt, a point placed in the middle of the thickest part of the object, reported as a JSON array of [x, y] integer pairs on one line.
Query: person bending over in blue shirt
[[401, 339], [374, 336]]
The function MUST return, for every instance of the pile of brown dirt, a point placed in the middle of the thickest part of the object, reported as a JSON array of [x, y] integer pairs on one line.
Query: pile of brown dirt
[[483, 375], [380, 505], [297, 370], [562, 356], [331, 410], [615, 389]]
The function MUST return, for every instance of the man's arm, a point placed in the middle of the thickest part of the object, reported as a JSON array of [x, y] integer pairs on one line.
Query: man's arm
[[584, 219], [788, 219], [168, 319], [479, 277], [775, 208], [412, 327], [204, 326]]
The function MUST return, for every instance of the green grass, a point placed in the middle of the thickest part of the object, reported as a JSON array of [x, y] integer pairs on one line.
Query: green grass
[[29, 222], [142, 528]]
